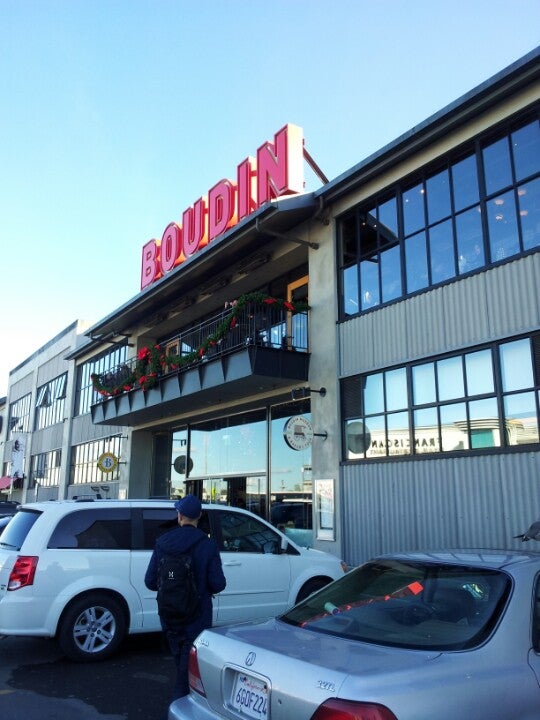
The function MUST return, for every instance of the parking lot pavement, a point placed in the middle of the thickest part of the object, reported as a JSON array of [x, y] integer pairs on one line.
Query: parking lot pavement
[[38, 683]]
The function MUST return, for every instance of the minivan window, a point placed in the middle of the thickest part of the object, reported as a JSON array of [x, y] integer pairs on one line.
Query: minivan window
[[156, 521], [242, 533], [15, 533], [93, 528]]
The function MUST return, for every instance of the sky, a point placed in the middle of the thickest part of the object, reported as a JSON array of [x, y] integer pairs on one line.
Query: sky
[[116, 115]]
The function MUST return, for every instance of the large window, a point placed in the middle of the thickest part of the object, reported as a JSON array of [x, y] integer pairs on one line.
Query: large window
[[484, 398], [19, 416], [86, 396], [50, 402], [84, 465], [45, 469], [471, 210]]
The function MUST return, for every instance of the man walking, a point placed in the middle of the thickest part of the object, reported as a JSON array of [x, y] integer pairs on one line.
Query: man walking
[[208, 576]]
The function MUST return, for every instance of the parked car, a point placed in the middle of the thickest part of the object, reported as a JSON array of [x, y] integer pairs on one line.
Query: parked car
[[74, 570], [404, 637], [8, 508]]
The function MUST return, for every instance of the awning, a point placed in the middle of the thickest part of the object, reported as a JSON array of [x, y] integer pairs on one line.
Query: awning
[[5, 482]]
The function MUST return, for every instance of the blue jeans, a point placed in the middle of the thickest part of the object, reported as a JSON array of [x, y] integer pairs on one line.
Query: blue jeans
[[180, 646]]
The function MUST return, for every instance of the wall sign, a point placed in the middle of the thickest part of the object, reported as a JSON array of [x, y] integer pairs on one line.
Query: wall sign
[[278, 170], [107, 462], [298, 432], [325, 509]]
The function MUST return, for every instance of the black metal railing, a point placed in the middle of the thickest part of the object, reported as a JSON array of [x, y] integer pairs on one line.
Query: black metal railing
[[271, 326]]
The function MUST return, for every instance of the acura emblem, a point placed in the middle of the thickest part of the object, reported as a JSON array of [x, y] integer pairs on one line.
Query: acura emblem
[[250, 659]]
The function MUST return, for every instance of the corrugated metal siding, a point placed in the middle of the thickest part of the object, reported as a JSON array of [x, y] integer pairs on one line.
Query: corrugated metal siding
[[493, 304], [480, 501]]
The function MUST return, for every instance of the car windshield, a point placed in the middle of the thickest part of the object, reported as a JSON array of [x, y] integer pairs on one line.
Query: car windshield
[[15, 533], [427, 605]]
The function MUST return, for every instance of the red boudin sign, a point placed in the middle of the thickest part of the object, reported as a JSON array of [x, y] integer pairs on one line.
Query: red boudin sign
[[277, 171]]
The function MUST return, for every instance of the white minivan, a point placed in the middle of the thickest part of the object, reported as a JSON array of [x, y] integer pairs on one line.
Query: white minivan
[[74, 570]]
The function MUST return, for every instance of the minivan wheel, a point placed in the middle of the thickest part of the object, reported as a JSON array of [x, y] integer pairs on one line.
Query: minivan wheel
[[91, 628], [310, 587]]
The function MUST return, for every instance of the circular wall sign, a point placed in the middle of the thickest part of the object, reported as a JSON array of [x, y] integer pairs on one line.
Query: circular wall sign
[[298, 432], [107, 462]]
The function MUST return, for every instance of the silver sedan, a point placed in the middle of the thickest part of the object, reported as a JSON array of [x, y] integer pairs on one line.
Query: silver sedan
[[409, 636]]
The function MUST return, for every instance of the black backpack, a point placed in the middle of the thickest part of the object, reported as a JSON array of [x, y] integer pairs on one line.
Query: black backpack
[[177, 595]]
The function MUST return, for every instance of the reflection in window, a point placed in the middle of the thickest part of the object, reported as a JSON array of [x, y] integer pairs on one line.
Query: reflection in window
[[502, 222], [497, 167], [470, 243], [465, 183], [413, 209], [441, 243], [438, 197], [529, 213], [526, 149], [416, 262], [450, 378], [453, 405], [516, 365]]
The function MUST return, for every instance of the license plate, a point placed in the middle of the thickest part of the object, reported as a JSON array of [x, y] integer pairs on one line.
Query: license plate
[[250, 697]]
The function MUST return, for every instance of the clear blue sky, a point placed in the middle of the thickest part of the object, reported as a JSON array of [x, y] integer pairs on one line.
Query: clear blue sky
[[116, 115]]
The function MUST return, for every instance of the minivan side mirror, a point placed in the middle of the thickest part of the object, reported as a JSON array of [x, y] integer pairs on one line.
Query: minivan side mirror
[[284, 544]]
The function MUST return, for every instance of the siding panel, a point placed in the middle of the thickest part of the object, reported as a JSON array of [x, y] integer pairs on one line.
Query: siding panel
[[480, 501]]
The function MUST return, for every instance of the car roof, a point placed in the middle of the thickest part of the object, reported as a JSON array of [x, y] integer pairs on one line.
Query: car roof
[[472, 557]]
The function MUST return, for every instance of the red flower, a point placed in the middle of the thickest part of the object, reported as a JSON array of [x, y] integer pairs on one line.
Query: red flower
[[128, 387], [142, 379], [143, 354], [233, 323], [269, 300], [288, 305]]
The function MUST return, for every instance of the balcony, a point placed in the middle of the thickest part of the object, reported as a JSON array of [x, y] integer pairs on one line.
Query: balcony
[[263, 349]]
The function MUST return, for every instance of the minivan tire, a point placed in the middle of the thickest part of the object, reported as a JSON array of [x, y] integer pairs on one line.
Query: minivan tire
[[310, 587], [91, 628]]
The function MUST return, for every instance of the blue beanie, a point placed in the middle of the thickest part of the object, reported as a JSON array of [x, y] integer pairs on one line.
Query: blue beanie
[[189, 506]]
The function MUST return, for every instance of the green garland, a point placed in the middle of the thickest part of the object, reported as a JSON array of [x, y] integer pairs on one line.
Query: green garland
[[152, 360]]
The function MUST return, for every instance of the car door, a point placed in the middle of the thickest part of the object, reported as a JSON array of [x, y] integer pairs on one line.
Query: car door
[[258, 574]]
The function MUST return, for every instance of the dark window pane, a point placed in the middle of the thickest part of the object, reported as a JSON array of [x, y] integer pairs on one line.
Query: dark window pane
[[350, 291], [388, 218], [349, 239], [438, 197], [503, 230], [369, 282], [529, 213], [416, 262], [391, 273], [441, 242], [465, 183], [497, 168], [93, 528], [470, 244], [413, 209], [526, 149]]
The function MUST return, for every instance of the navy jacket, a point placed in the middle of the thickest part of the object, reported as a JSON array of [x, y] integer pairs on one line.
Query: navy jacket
[[206, 567]]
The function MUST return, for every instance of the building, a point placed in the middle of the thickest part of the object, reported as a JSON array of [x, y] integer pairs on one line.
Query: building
[[360, 363]]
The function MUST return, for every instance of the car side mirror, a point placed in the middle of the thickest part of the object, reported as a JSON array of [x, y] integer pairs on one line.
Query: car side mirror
[[284, 544]]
